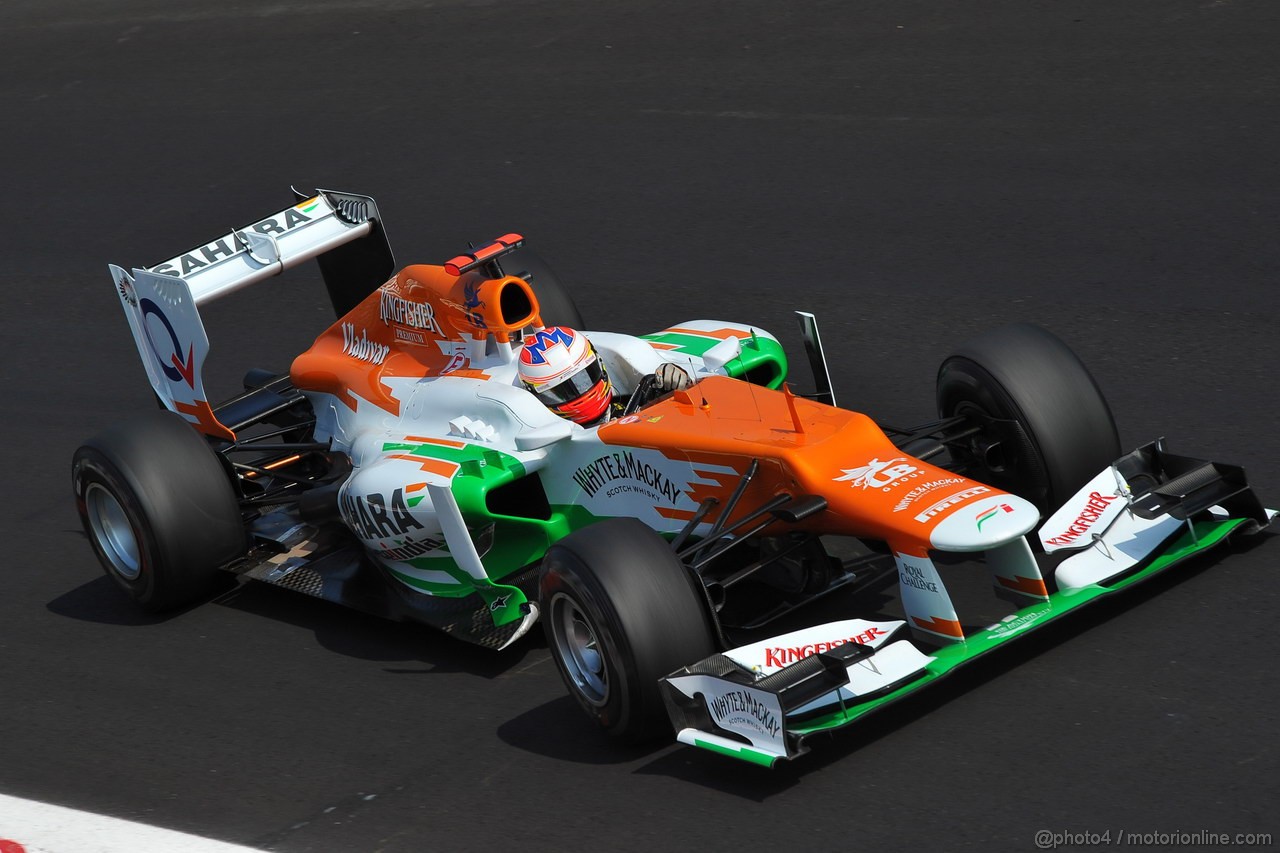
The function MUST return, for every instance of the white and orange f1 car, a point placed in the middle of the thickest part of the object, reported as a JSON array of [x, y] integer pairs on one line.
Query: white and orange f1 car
[[675, 553]]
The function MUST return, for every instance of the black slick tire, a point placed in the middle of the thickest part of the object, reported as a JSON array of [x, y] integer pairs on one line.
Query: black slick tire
[[159, 509], [1042, 409], [620, 611]]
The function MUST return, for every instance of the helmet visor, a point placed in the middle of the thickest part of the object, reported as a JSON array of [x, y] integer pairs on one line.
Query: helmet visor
[[571, 387]]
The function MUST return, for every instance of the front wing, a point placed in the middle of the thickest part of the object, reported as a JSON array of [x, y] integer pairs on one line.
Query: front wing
[[759, 703]]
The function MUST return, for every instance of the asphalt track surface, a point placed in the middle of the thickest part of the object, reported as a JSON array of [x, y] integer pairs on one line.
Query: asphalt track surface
[[914, 172]]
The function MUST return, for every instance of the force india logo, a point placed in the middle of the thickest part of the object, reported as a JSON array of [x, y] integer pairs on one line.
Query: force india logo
[[879, 475], [783, 655], [1093, 510]]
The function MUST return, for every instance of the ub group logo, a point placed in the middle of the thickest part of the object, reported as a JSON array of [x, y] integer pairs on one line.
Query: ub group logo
[[879, 475]]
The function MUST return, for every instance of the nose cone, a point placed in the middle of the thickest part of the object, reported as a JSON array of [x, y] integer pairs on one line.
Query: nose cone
[[979, 525]]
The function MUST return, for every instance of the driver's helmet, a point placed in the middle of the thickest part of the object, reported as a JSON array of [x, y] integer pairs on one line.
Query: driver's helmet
[[561, 368]]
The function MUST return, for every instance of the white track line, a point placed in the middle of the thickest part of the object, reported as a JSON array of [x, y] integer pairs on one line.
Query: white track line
[[30, 827]]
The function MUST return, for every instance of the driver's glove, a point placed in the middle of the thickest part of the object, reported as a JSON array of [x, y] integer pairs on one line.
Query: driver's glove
[[671, 377]]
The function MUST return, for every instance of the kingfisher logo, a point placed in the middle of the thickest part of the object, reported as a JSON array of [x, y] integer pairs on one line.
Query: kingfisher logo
[[175, 368], [1094, 511], [396, 310], [535, 347], [782, 655]]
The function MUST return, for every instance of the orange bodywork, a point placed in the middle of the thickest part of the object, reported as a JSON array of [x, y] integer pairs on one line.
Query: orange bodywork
[[803, 448], [206, 421], [412, 326]]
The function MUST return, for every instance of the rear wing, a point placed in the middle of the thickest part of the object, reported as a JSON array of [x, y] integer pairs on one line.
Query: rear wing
[[343, 231], [313, 227]]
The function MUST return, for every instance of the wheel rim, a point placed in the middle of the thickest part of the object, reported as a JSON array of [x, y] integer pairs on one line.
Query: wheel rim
[[113, 532], [577, 644]]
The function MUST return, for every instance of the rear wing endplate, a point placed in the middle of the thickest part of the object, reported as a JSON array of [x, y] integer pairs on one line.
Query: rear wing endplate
[[343, 231]]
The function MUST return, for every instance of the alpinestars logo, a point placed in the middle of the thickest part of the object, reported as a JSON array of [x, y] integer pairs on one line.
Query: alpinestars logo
[[878, 475], [361, 347]]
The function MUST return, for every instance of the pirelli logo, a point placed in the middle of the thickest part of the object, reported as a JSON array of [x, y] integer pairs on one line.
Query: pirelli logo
[[949, 501]]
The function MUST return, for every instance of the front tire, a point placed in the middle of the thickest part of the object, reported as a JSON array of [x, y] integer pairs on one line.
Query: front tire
[[158, 508], [620, 611], [1046, 426]]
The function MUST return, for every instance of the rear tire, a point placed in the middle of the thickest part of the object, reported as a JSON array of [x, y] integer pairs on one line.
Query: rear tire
[[620, 612], [554, 300], [158, 508], [1057, 429]]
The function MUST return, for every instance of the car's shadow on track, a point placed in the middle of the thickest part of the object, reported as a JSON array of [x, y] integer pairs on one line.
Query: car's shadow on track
[[558, 729], [418, 649]]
